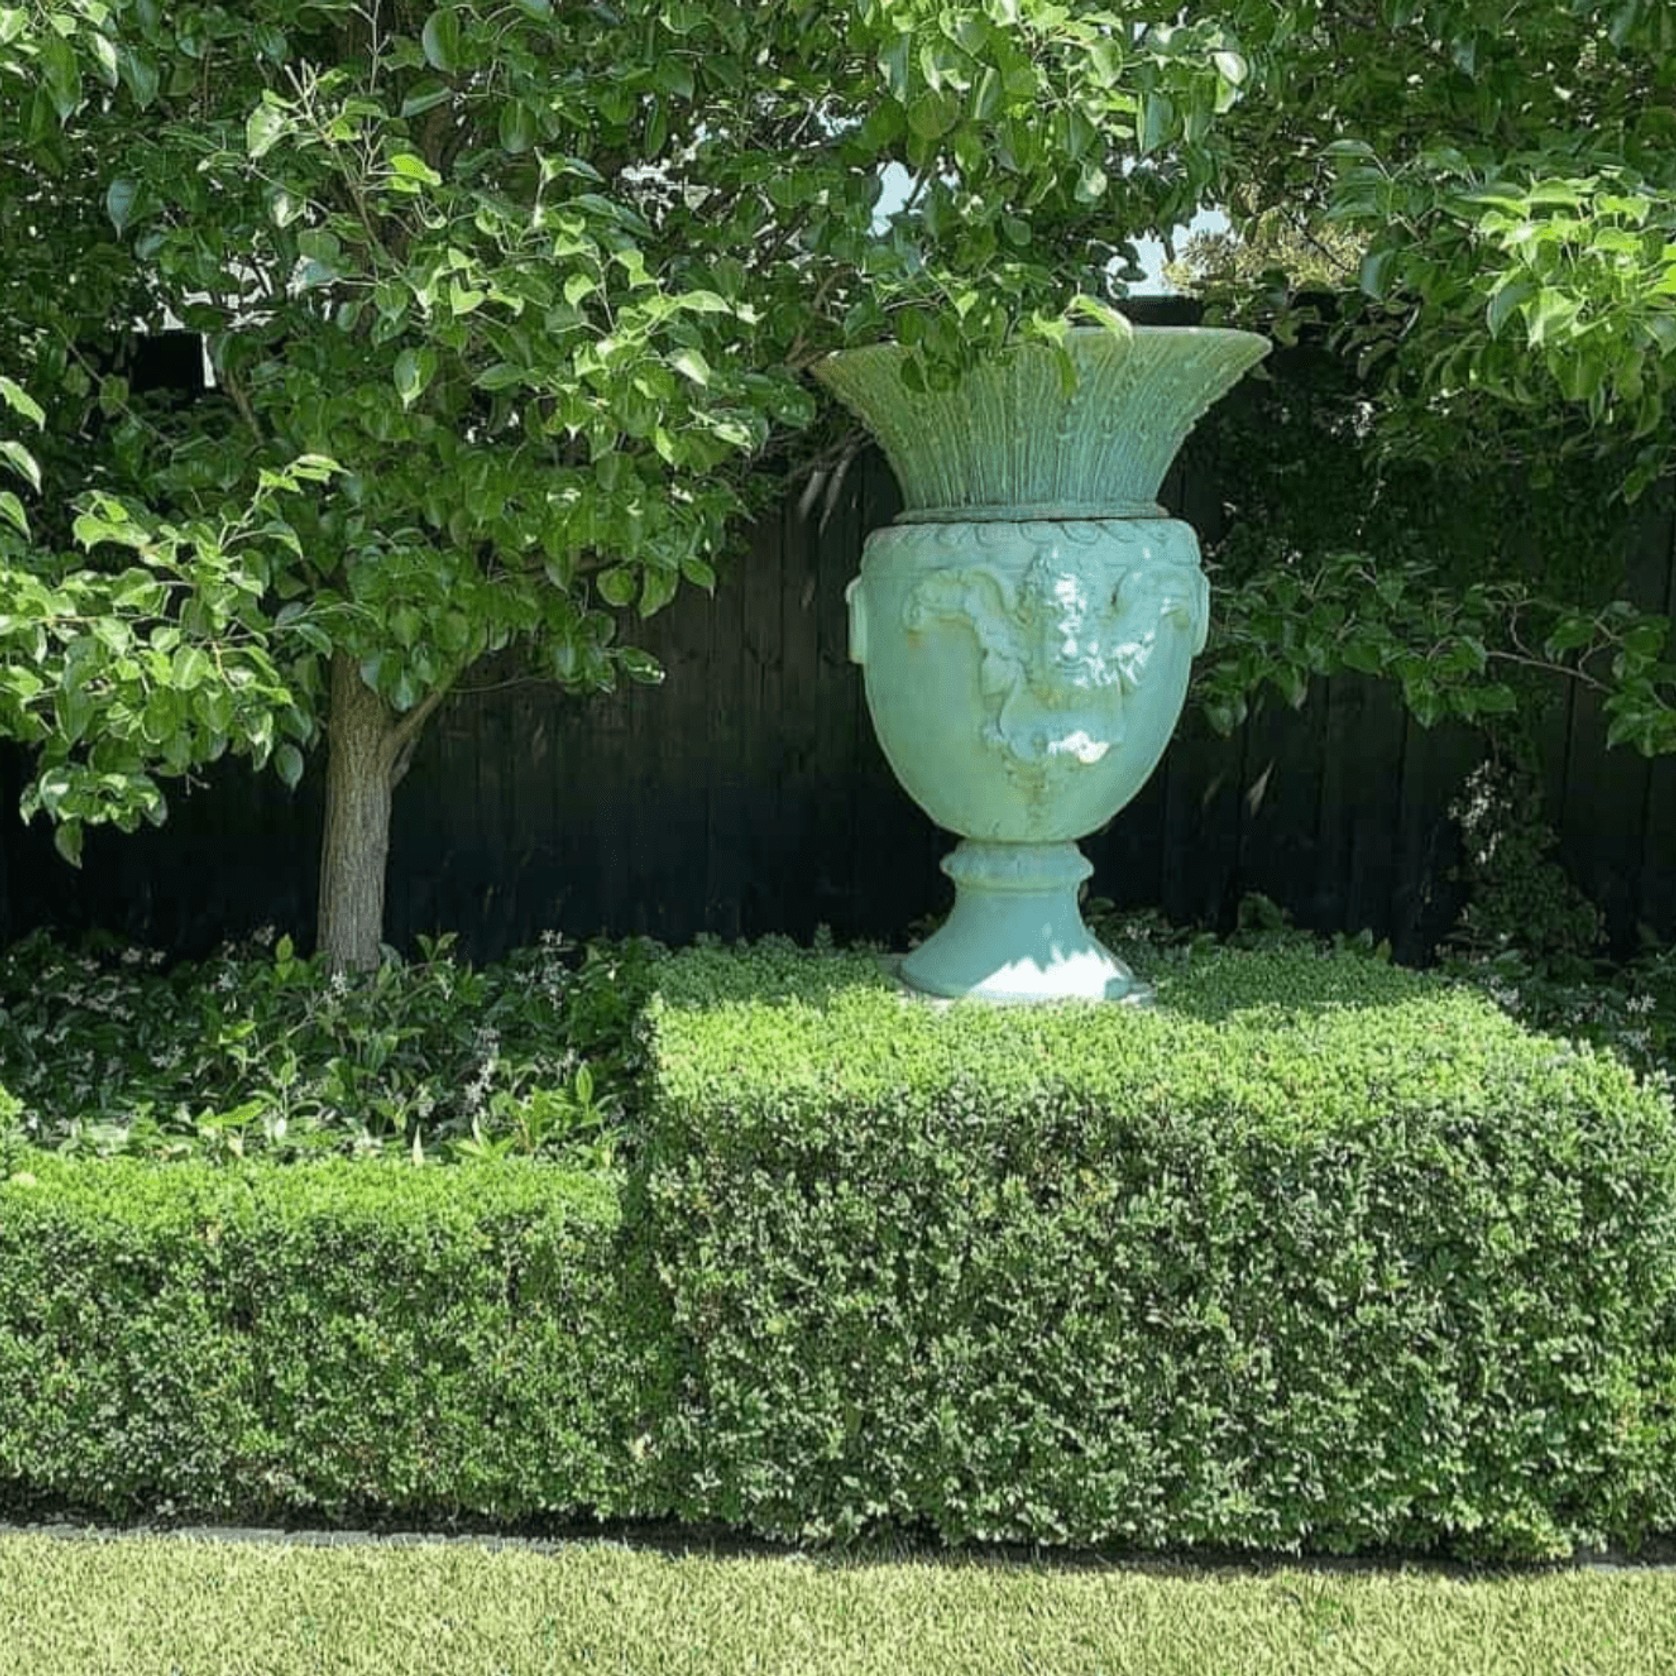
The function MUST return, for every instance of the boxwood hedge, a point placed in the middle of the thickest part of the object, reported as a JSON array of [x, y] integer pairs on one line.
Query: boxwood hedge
[[1319, 1253], [323, 1340]]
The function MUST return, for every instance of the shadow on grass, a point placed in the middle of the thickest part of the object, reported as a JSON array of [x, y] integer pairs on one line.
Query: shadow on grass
[[680, 1542]]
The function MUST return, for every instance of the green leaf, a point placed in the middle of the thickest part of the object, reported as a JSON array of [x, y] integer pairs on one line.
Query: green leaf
[[1102, 314], [617, 585], [1507, 298], [1548, 314], [1105, 57], [1571, 633], [21, 402], [191, 668], [61, 74], [985, 98], [440, 40], [288, 762], [414, 370], [517, 129], [264, 126], [933, 114], [141, 74], [1231, 66], [120, 197], [893, 64], [705, 302], [412, 167], [103, 49], [406, 625], [463, 298], [691, 364], [643, 667], [1158, 116], [1371, 276], [11, 509], [1091, 184], [66, 839], [319, 245], [426, 98], [657, 588], [22, 462]]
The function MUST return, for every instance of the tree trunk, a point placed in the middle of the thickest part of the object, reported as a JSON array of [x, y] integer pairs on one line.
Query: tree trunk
[[361, 752]]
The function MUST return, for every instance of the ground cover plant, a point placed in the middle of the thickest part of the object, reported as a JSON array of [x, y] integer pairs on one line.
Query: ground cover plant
[[105, 1050], [152, 1606], [1537, 944]]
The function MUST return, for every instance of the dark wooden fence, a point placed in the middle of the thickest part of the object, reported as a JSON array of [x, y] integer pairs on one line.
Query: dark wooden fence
[[747, 795]]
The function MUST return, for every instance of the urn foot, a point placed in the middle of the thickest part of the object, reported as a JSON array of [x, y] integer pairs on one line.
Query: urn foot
[[1016, 932]]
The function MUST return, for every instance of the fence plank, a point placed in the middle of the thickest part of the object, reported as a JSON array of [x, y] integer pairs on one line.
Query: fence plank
[[1656, 867], [1280, 785], [1426, 895], [1602, 833], [1202, 814]]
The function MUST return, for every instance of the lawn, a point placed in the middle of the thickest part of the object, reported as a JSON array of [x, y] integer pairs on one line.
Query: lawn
[[184, 1606]]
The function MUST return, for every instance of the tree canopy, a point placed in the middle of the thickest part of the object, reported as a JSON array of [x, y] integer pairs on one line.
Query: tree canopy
[[505, 301]]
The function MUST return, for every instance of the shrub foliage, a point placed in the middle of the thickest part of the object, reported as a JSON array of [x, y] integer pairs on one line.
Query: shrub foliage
[[1320, 1253], [325, 1340], [257, 1051]]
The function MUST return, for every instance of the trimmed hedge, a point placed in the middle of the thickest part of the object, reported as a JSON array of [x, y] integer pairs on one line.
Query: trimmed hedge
[[330, 1340], [1320, 1253]]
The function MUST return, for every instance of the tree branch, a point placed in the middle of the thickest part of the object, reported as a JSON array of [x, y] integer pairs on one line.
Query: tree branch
[[403, 738], [240, 399]]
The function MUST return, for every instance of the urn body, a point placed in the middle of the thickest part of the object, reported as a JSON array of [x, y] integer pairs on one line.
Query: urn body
[[1024, 677], [1027, 626]]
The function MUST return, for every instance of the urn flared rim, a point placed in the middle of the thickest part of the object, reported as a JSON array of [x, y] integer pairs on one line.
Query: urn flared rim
[[1009, 437]]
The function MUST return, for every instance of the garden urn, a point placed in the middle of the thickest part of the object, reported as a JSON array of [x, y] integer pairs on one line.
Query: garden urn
[[1027, 625]]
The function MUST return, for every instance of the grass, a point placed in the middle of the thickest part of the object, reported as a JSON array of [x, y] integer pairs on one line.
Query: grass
[[180, 1606]]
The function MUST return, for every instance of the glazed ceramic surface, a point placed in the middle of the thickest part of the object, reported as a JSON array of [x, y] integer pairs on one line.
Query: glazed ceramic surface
[[1027, 626], [1024, 678]]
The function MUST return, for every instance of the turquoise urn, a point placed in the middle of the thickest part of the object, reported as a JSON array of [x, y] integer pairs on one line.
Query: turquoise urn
[[1027, 625]]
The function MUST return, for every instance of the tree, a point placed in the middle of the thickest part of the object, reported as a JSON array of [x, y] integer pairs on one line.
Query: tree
[[1509, 174], [505, 300], [1488, 194]]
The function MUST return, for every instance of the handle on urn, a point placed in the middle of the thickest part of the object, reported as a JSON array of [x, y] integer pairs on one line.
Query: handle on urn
[[856, 600]]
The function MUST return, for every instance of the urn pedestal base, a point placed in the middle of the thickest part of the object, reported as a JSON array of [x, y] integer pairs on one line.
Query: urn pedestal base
[[1016, 932]]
